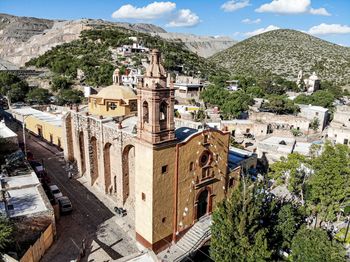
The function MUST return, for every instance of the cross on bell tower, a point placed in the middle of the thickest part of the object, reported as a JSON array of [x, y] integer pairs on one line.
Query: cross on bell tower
[[155, 104]]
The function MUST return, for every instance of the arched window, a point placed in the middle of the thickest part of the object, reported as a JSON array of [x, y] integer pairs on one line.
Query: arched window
[[163, 111], [145, 112]]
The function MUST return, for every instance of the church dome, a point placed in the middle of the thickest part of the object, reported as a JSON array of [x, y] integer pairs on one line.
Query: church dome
[[116, 92]]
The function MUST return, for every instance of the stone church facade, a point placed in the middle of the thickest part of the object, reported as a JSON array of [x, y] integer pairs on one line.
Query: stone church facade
[[166, 178]]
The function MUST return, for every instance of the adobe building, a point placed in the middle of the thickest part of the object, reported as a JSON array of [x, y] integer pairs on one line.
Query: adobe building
[[166, 178]]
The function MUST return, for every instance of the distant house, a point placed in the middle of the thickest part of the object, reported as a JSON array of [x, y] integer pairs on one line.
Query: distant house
[[311, 112], [339, 129], [233, 85], [188, 87]]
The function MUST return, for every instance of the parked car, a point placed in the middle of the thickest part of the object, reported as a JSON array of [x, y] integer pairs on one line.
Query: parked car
[[55, 191], [65, 205]]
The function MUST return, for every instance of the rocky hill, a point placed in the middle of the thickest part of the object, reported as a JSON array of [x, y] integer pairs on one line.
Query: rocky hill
[[284, 52], [204, 46], [23, 38]]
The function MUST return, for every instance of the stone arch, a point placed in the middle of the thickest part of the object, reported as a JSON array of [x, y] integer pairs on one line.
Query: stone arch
[[128, 161], [107, 167], [163, 111], [203, 203], [82, 152], [94, 160], [145, 112]]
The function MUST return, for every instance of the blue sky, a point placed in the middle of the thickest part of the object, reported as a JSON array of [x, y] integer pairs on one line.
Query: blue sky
[[239, 19]]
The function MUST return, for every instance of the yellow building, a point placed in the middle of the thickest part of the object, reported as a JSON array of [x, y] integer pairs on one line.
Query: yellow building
[[115, 100], [42, 124]]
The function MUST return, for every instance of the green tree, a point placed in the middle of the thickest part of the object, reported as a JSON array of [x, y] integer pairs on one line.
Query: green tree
[[322, 98], [328, 187], [70, 96], [314, 245], [39, 95], [315, 124], [13, 87], [280, 105], [60, 82], [292, 171], [289, 220], [6, 233], [238, 233]]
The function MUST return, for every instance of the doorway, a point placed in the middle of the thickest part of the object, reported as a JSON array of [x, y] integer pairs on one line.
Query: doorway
[[202, 205]]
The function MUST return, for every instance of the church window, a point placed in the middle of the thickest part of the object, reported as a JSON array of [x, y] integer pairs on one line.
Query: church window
[[191, 166], [165, 169], [112, 106], [143, 196], [145, 112], [204, 159], [163, 111], [205, 139], [163, 219]]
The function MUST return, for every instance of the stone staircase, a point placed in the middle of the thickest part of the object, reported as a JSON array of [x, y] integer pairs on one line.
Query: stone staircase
[[189, 243]]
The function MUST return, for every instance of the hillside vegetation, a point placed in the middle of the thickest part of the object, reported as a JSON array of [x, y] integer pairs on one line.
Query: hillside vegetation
[[284, 52], [92, 54]]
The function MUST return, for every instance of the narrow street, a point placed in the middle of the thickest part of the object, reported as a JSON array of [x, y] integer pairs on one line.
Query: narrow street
[[90, 219]]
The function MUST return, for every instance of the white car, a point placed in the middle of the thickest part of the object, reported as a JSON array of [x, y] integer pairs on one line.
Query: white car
[[55, 191]]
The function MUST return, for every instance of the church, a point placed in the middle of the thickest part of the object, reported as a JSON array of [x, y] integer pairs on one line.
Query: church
[[126, 145]]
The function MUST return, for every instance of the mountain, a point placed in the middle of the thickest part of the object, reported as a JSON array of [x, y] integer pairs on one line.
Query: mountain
[[285, 52], [23, 38], [204, 46]]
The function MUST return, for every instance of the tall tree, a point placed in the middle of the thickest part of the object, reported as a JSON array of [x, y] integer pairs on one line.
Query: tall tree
[[314, 245], [238, 232], [329, 185], [6, 231]]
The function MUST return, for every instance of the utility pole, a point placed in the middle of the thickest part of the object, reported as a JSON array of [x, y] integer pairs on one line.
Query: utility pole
[[24, 137]]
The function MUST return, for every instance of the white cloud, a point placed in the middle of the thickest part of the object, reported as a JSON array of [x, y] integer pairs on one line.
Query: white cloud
[[319, 11], [249, 21], [262, 30], [291, 7], [234, 5], [184, 18], [151, 11], [285, 7], [328, 29]]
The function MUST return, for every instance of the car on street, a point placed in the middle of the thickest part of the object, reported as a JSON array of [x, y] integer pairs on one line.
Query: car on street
[[65, 205], [56, 192]]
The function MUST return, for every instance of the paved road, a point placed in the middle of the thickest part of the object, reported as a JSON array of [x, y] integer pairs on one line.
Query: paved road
[[90, 219]]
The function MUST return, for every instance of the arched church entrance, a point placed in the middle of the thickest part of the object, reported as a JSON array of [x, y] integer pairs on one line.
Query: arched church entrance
[[202, 204], [82, 152], [94, 160], [107, 166]]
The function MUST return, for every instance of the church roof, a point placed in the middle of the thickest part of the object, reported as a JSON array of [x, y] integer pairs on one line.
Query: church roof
[[116, 92]]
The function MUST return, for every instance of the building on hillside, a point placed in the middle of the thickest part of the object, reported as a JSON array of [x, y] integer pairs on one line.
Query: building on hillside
[[241, 128], [114, 101], [311, 84], [43, 124], [233, 85], [131, 77], [166, 177], [339, 129], [315, 112], [273, 148], [127, 50], [188, 87], [281, 123]]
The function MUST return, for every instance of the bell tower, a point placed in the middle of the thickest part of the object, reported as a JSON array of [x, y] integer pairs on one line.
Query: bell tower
[[155, 104]]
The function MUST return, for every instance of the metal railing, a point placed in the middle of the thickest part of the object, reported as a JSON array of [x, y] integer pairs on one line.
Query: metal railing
[[200, 241]]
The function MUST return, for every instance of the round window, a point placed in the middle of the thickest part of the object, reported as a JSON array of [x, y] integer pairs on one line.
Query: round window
[[204, 158]]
